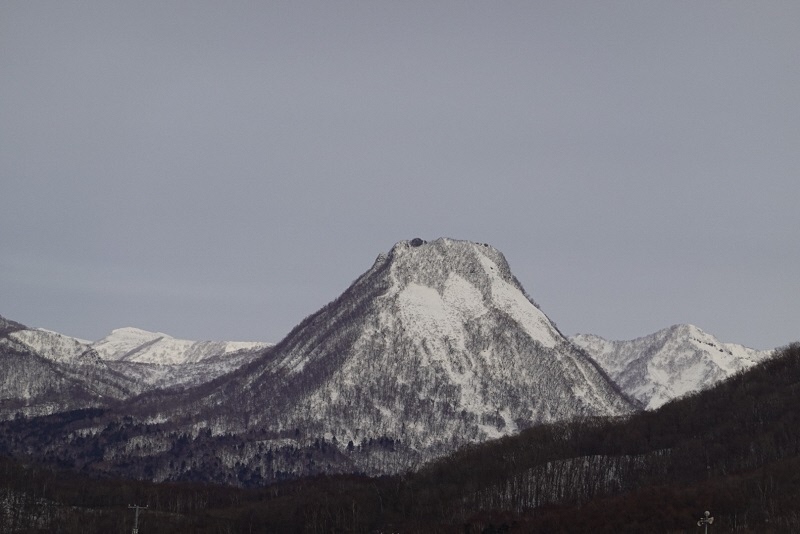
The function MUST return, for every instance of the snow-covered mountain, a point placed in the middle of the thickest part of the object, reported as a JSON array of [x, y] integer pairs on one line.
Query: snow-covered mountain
[[44, 372], [129, 345], [672, 362], [435, 346], [438, 329]]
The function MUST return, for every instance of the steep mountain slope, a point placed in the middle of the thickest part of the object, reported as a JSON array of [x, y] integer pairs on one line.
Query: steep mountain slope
[[674, 361]]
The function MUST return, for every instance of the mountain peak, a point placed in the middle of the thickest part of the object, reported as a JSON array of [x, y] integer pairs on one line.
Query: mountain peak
[[432, 263], [685, 329], [443, 247], [435, 345], [674, 361]]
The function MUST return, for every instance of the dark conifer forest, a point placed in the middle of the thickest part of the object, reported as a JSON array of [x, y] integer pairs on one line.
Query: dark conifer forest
[[733, 450]]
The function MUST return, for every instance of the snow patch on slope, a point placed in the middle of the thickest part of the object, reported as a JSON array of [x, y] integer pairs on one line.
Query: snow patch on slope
[[511, 300], [464, 299], [426, 314]]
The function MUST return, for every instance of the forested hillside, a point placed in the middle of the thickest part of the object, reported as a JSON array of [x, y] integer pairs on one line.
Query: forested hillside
[[734, 450]]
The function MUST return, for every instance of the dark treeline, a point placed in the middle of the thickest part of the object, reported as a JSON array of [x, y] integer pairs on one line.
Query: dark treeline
[[734, 450]]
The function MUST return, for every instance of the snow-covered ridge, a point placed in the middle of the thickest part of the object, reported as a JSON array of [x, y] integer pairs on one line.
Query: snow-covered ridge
[[128, 345], [136, 345], [43, 372], [667, 364]]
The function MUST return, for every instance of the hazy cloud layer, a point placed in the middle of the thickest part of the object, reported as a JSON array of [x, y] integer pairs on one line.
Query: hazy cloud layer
[[219, 171]]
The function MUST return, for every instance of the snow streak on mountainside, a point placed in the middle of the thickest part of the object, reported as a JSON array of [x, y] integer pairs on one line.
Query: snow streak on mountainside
[[436, 346], [669, 363]]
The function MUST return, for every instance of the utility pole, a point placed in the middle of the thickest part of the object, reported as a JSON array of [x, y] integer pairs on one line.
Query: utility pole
[[706, 520], [136, 507]]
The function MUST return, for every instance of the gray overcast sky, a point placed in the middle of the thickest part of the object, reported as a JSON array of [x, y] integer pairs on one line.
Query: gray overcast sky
[[220, 170]]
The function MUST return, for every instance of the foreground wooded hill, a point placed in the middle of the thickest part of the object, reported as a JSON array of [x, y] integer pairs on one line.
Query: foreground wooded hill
[[734, 450]]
